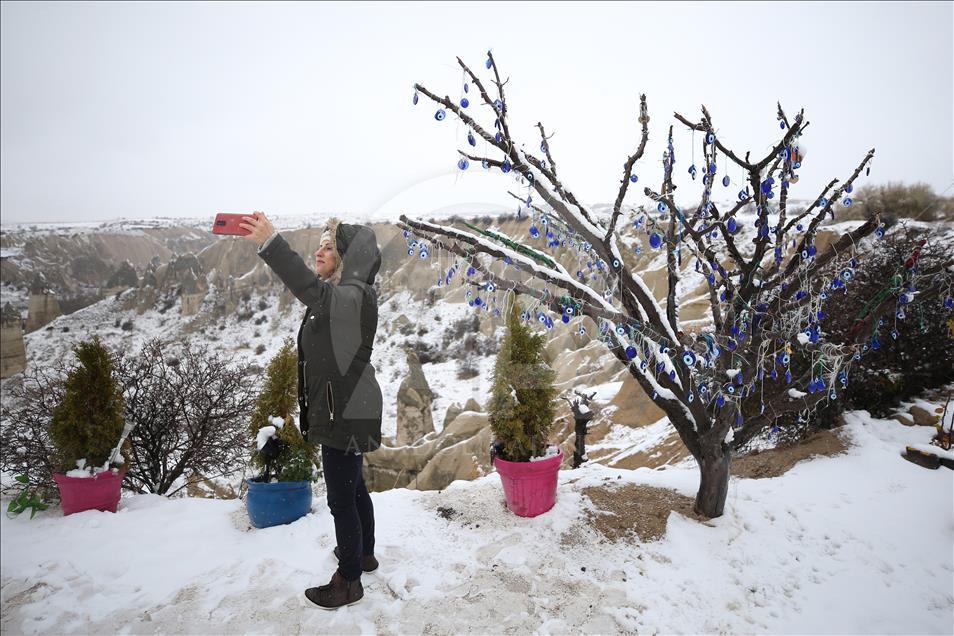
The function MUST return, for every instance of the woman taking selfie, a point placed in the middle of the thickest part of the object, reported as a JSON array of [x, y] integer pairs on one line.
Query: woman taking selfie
[[338, 394]]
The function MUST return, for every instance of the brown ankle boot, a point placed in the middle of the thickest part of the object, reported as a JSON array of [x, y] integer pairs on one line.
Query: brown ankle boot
[[337, 592], [368, 562]]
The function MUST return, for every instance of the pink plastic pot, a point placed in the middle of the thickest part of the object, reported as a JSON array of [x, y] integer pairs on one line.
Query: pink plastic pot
[[530, 487], [99, 492]]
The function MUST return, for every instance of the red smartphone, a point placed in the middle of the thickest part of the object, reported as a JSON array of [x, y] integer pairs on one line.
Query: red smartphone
[[226, 223]]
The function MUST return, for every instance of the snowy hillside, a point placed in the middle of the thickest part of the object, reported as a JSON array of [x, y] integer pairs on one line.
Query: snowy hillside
[[855, 543]]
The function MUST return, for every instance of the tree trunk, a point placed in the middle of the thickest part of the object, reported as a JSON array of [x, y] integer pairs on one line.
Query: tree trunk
[[580, 451], [714, 485]]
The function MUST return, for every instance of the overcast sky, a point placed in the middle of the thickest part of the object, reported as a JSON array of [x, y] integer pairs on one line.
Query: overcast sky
[[185, 109]]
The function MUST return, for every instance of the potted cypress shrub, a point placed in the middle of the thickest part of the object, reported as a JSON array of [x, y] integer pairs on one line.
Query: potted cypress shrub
[[88, 435], [282, 492], [521, 412]]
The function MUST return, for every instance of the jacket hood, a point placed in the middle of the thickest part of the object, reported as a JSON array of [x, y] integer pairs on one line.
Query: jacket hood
[[360, 255]]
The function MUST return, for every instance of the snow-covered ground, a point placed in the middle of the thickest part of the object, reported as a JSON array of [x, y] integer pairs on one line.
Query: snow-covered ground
[[856, 543]]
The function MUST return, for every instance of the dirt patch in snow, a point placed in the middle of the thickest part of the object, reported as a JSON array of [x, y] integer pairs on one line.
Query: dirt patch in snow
[[635, 509], [773, 462]]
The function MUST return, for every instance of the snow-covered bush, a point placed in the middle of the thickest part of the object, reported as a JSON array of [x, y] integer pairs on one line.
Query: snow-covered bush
[[189, 406], [279, 450], [25, 446]]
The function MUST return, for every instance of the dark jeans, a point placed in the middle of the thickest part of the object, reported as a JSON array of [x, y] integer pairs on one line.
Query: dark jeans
[[351, 508]]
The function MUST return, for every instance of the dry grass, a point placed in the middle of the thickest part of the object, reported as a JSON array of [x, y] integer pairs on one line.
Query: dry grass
[[778, 461]]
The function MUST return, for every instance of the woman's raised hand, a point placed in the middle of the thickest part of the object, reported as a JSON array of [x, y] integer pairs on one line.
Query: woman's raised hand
[[259, 227]]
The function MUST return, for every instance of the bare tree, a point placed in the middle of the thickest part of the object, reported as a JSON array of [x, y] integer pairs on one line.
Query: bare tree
[[190, 411], [763, 295]]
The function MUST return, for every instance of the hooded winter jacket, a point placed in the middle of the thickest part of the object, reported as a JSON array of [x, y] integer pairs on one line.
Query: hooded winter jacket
[[338, 394]]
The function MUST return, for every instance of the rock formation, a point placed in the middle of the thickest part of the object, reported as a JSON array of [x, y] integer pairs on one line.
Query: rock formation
[[12, 351], [414, 400]]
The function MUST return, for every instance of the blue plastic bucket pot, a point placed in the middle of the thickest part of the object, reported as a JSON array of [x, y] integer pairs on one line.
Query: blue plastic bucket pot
[[278, 503]]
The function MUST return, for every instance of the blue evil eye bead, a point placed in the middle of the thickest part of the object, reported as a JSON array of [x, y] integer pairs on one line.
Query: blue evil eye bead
[[506, 165], [894, 334], [565, 318], [788, 377], [498, 137], [849, 188], [661, 206], [720, 401], [638, 250], [464, 102], [615, 263], [498, 104], [766, 187], [847, 201], [710, 139], [692, 170], [732, 225], [655, 239], [620, 330], [712, 168], [582, 330], [804, 254], [423, 253], [836, 283], [875, 343], [832, 395], [414, 99], [703, 389], [730, 389], [440, 114], [488, 63], [463, 164], [726, 181], [470, 139], [477, 301], [534, 231], [948, 302], [633, 178], [672, 375], [691, 397], [781, 125], [774, 374], [880, 231], [783, 358], [471, 271], [847, 273], [799, 227], [743, 195], [783, 154], [466, 87], [630, 352], [823, 296], [485, 164], [688, 358]]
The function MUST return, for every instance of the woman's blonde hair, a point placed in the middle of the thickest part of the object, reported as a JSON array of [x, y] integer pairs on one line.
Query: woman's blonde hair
[[331, 228]]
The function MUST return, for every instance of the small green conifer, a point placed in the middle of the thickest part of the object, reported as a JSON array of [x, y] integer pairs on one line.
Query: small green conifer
[[521, 404]]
